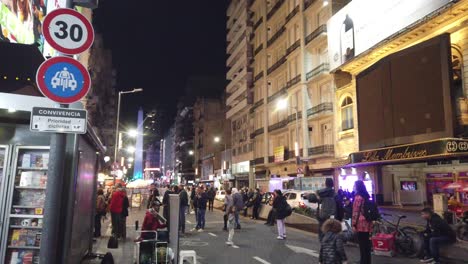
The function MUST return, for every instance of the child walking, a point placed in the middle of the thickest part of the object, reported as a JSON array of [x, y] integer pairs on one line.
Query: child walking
[[331, 248], [231, 224]]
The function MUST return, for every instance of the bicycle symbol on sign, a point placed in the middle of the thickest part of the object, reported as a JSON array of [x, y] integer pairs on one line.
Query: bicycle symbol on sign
[[65, 79]]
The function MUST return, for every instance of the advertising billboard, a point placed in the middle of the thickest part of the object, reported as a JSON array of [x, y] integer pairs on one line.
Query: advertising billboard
[[20, 21], [362, 24], [52, 5], [279, 153]]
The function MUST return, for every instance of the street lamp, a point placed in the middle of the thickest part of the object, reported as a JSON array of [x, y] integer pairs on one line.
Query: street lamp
[[190, 152], [131, 149], [135, 90], [133, 133], [217, 139], [283, 104], [325, 2], [130, 159]]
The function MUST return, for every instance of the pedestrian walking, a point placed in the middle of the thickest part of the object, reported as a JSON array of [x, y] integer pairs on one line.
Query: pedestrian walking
[[202, 200], [116, 207], [281, 206], [332, 245], [228, 203], [153, 195], [184, 203], [125, 206], [256, 203], [438, 233], [247, 202], [193, 195], [361, 226], [166, 205], [328, 205], [231, 224], [239, 204], [100, 212], [211, 197]]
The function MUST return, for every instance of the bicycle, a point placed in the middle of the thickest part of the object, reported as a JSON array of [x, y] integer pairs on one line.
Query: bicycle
[[408, 241]]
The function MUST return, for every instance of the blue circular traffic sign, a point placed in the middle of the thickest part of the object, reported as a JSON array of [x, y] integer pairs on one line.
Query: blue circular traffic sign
[[63, 80]]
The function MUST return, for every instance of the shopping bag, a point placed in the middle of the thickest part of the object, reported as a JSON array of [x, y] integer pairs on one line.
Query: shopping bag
[[113, 242]]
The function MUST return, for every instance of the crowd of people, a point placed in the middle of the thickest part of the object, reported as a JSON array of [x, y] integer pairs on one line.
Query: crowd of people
[[333, 208]]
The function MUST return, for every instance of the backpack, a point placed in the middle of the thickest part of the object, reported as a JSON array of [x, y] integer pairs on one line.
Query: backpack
[[288, 210], [370, 211], [327, 208]]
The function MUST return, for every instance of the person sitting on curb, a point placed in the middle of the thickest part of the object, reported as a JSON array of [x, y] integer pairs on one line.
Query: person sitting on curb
[[438, 233]]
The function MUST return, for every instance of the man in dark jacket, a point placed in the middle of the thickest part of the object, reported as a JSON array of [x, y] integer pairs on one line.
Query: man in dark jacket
[[256, 202], [211, 196], [193, 195], [438, 233], [327, 206], [166, 209], [183, 208], [153, 195], [202, 200], [238, 203]]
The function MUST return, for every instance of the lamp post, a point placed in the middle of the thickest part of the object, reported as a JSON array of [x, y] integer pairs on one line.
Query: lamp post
[[136, 90], [223, 166]]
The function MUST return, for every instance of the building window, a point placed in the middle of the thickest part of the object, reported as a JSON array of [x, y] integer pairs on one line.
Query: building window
[[347, 121]]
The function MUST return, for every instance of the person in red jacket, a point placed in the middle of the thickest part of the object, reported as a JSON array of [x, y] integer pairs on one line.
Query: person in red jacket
[[116, 208], [153, 221]]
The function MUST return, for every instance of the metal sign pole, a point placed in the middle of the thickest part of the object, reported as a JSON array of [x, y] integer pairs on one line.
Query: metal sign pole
[[50, 240], [174, 204]]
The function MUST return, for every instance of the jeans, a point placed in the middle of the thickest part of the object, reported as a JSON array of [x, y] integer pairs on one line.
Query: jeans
[[281, 227], [201, 218], [231, 234], [97, 224], [210, 205], [116, 224], [236, 216], [365, 247], [182, 211], [271, 217], [255, 211], [432, 245]]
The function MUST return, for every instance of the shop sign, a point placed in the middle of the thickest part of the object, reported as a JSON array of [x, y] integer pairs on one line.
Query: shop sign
[[279, 153], [438, 175], [430, 149], [362, 24], [58, 120]]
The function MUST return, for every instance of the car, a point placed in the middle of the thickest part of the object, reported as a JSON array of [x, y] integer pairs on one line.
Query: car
[[220, 195], [297, 198], [266, 197]]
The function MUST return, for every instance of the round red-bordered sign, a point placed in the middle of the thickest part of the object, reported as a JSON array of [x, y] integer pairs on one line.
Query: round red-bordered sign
[[63, 80], [68, 31]]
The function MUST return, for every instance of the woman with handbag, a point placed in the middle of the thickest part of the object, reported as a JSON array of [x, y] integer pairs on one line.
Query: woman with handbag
[[280, 205], [101, 206], [361, 226]]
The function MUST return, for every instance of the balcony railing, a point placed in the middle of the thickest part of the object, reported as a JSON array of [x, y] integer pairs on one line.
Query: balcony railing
[[292, 14], [320, 108], [308, 3], [257, 132], [319, 150], [278, 125], [258, 49], [258, 161], [292, 117], [293, 47], [324, 67], [258, 76], [258, 23], [279, 93], [317, 32], [276, 36], [271, 159], [277, 64], [256, 105], [275, 8], [293, 81]]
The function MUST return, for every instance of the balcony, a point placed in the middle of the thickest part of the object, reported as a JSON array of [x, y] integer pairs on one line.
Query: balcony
[[258, 49], [277, 64], [279, 125], [256, 105], [271, 159], [293, 47], [275, 9], [240, 90], [292, 118], [259, 161], [241, 105], [292, 14], [258, 23], [278, 94], [239, 77], [322, 68], [308, 3], [276, 36], [293, 81], [258, 76], [200, 146], [323, 107], [257, 132], [317, 32], [326, 150]]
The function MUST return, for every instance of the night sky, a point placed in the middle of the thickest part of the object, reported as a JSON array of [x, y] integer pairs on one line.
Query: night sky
[[157, 44]]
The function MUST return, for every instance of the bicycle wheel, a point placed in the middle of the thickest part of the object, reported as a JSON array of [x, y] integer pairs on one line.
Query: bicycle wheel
[[409, 242]]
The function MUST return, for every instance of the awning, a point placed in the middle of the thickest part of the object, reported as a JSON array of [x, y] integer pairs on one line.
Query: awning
[[434, 149], [18, 67]]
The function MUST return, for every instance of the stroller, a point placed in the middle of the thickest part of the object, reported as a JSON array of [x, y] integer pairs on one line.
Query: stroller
[[154, 250]]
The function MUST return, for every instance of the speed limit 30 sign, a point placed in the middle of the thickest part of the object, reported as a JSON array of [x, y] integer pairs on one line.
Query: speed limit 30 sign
[[68, 31]]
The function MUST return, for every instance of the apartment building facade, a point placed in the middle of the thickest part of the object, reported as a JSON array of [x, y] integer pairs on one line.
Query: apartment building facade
[[239, 92], [293, 92]]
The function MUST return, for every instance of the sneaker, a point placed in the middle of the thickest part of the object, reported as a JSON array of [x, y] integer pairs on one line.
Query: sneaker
[[193, 229], [284, 236], [200, 230], [280, 238], [229, 243], [426, 260]]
